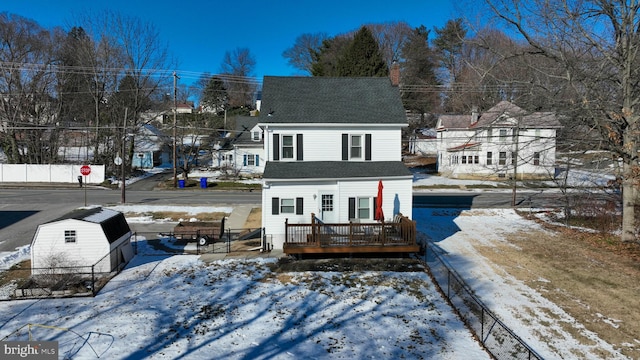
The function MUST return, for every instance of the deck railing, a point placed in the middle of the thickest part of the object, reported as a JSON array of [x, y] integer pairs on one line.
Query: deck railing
[[402, 231]]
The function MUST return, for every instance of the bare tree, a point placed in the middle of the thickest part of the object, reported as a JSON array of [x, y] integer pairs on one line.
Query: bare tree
[[595, 43], [300, 55], [28, 104], [237, 71]]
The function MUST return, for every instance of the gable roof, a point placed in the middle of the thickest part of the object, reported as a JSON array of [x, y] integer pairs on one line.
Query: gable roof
[[113, 223], [345, 100], [318, 170], [506, 110]]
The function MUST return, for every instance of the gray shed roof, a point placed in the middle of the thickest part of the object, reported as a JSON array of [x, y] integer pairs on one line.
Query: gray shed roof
[[113, 223], [275, 170], [346, 100]]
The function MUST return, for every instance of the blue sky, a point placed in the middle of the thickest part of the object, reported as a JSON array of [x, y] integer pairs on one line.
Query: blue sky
[[199, 32]]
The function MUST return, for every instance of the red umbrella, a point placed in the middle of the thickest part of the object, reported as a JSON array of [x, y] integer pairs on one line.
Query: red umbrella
[[379, 215]]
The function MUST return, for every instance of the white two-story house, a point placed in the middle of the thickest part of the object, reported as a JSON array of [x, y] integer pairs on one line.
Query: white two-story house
[[329, 142], [503, 141]]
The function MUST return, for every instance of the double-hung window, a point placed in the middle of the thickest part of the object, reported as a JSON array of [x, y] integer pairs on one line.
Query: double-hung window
[[287, 206], [287, 147], [489, 158], [502, 158], [355, 146]]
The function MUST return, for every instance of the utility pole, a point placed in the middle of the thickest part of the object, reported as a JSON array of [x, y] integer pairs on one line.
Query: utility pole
[[515, 157], [175, 124], [124, 141]]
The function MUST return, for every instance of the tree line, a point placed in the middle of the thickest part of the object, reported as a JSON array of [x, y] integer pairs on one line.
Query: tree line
[[577, 59]]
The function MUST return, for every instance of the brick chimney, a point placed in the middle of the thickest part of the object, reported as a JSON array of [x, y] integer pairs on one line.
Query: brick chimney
[[394, 74]]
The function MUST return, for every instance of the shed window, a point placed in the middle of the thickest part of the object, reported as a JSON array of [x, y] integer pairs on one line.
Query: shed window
[[69, 236]]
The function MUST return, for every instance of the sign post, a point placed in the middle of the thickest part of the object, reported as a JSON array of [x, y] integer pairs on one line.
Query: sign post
[[85, 170]]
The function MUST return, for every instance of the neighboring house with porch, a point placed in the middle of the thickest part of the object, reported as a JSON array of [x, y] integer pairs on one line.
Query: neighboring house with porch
[[329, 143], [498, 143]]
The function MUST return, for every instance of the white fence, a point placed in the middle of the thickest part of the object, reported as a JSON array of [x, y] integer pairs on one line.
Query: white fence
[[49, 173]]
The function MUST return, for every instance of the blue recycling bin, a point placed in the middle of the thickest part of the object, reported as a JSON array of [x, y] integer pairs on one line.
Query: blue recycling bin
[[203, 182], [181, 184]]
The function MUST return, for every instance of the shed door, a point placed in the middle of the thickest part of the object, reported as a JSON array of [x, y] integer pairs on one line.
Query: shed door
[[327, 207]]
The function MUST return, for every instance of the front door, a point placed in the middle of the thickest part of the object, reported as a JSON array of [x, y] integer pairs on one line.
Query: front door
[[327, 208]]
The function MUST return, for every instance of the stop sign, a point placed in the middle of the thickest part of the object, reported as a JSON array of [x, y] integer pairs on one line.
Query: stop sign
[[85, 170]]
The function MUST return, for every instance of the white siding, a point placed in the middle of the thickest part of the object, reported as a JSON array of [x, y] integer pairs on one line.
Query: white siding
[[528, 144], [91, 243], [397, 198], [325, 144]]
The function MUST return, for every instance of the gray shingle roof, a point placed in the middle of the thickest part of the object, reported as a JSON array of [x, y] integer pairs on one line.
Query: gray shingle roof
[[488, 118], [112, 222], [365, 100], [333, 169]]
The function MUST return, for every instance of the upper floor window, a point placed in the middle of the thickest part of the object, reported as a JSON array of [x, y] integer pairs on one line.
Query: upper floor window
[[287, 147], [255, 136], [538, 134], [503, 135], [489, 158], [356, 147], [489, 134]]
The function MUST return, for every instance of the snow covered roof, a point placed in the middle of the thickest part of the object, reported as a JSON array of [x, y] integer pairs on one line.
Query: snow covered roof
[[113, 223]]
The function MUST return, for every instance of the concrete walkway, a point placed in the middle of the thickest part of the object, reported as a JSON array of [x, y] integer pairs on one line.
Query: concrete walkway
[[238, 217]]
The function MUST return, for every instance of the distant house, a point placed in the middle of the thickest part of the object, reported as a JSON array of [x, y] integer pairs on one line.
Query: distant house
[[152, 148], [329, 143], [243, 149], [498, 143], [83, 238]]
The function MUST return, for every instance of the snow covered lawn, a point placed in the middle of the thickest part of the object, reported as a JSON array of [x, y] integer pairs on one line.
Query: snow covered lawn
[[180, 307]]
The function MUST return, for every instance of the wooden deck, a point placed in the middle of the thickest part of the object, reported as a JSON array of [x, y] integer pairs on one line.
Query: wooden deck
[[317, 237]]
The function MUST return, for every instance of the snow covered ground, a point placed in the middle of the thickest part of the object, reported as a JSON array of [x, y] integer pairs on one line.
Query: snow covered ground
[[170, 307]]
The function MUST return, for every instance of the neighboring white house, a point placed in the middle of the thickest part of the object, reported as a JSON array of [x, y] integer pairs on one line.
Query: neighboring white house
[[328, 142], [82, 238], [503, 141], [152, 148], [244, 148]]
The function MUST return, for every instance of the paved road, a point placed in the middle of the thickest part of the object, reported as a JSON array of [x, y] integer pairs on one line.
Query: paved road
[[23, 209]]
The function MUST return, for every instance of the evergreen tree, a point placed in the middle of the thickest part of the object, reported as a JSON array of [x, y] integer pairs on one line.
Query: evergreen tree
[[418, 73], [362, 57], [75, 82]]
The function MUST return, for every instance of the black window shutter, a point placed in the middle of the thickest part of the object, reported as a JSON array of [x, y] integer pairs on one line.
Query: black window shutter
[[352, 208], [275, 206], [375, 205], [299, 206], [276, 147], [367, 147], [299, 151], [345, 146]]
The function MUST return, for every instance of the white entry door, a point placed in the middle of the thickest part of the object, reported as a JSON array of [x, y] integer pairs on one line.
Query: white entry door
[[327, 206]]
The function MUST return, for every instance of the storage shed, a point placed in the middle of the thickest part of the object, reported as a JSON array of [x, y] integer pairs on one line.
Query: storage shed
[[81, 239]]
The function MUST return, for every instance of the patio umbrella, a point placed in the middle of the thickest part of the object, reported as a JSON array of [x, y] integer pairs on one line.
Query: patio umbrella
[[379, 215]]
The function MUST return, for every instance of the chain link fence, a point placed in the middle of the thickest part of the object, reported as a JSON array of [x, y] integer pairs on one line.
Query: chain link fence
[[497, 338]]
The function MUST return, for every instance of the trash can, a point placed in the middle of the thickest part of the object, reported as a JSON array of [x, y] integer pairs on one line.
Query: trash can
[[181, 184], [203, 182]]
